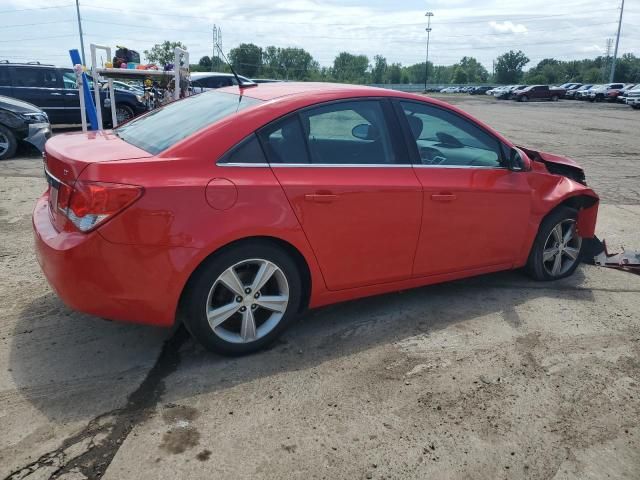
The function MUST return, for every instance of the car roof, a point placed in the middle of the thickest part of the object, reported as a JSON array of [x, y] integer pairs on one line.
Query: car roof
[[272, 90]]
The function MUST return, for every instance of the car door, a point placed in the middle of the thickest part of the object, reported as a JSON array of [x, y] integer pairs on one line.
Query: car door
[[42, 87], [340, 165], [5, 81], [71, 97], [475, 210]]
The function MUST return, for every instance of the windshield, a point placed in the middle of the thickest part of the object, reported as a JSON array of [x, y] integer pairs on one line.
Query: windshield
[[163, 128]]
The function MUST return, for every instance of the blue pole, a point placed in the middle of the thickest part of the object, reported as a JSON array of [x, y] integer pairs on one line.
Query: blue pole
[[90, 107]]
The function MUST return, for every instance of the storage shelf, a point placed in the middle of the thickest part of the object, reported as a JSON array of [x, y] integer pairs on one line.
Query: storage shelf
[[130, 72]]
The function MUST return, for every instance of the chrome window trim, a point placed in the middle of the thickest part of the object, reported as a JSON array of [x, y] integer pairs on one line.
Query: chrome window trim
[[344, 165], [482, 167], [238, 164]]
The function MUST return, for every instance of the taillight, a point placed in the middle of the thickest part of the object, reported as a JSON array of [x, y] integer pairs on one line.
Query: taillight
[[88, 204]]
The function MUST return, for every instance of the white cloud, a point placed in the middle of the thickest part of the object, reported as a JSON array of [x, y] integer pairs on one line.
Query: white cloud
[[507, 27]]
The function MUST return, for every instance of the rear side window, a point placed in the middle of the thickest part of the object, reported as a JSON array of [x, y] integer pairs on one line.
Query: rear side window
[[166, 126], [5, 79], [247, 151], [35, 77], [284, 141]]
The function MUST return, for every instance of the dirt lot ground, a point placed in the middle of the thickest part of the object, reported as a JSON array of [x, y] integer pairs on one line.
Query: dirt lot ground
[[488, 378]]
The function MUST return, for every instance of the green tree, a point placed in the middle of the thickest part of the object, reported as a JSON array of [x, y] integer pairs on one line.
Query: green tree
[[350, 68], [162, 53], [459, 75], [379, 69], [246, 59], [509, 66], [205, 62], [474, 70]]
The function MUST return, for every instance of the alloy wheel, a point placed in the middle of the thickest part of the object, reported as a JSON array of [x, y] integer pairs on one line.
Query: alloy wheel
[[123, 114], [4, 144], [247, 301], [562, 248]]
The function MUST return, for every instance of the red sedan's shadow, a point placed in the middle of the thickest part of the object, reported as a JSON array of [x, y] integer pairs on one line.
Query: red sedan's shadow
[[72, 366]]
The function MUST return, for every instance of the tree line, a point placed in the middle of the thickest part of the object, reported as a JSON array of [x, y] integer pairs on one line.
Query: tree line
[[291, 63]]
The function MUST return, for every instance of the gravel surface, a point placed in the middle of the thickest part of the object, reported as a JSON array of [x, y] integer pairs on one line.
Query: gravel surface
[[487, 378]]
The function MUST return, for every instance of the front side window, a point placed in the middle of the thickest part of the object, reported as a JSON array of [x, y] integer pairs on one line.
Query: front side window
[[342, 133], [446, 139], [166, 126], [5, 79], [35, 77]]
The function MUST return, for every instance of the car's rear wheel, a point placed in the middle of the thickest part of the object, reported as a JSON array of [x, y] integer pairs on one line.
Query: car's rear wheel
[[8, 143], [556, 250], [124, 113], [239, 301]]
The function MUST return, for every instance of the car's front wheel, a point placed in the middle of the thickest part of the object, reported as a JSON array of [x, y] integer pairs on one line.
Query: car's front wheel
[[524, 98], [240, 300], [8, 143], [556, 250]]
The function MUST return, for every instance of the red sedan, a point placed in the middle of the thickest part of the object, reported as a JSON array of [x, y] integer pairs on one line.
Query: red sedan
[[235, 209]]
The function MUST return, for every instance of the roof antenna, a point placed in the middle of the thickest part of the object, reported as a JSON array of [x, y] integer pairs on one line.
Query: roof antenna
[[241, 84]]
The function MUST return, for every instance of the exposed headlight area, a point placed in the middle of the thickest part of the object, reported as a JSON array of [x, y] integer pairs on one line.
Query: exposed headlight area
[[35, 117]]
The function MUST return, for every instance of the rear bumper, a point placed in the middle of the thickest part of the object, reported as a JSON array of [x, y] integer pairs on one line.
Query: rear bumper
[[119, 282]]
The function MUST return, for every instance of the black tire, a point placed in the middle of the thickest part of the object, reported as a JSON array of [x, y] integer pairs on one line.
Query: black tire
[[9, 139], [124, 113], [195, 299], [535, 265], [554, 98], [524, 98]]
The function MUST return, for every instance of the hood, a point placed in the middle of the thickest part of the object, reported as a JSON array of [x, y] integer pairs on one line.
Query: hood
[[557, 164], [17, 106]]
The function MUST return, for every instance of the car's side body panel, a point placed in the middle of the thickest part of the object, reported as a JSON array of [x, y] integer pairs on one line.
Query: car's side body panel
[[193, 207]]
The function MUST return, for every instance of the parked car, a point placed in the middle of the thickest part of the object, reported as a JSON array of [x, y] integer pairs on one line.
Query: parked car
[[265, 80], [599, 94], [632, 97], [584, 94], [21, 122], [55, 90], [480, 90], [318, 193], [507, 92], [537, 92], [203, 81], [575, 92], [128, 87], [617, 94]]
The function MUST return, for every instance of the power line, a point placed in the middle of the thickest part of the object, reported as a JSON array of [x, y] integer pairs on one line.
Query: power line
[[34, 24], [35, 38]]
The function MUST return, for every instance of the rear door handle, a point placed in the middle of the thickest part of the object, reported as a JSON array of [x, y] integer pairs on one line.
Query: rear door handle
[[56, 94], [320, 197], [443, 197]]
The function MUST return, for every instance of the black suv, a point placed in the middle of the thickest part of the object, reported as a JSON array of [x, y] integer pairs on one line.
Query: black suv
[[54, 90]]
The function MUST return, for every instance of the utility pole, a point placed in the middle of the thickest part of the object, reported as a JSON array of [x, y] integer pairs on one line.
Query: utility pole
[[80, 29], [607, 59], [426, 64], [615, 52]]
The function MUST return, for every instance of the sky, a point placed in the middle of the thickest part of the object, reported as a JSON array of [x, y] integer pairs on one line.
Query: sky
[[44, 30]]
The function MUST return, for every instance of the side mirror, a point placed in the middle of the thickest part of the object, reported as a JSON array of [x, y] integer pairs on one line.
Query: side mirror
[[364, 131], [518, 161]]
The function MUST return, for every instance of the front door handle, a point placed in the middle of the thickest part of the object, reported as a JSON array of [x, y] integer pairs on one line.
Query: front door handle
[[320, 197], [443, 197], [70, 94]]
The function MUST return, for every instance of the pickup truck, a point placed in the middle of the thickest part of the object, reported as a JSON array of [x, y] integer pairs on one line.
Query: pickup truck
[[538, 92]]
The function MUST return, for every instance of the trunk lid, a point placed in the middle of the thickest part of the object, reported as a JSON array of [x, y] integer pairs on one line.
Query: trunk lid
[[67, 155]]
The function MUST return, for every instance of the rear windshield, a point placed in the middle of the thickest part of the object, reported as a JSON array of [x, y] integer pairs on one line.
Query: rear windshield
[[166, 126]]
